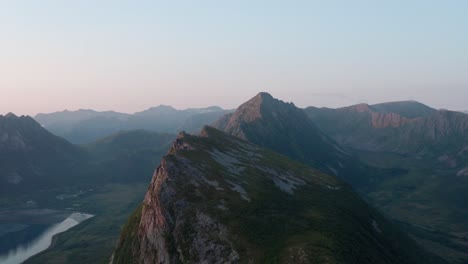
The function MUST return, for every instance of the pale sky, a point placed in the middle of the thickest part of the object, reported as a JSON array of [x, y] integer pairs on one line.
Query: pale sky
[[131, 55]]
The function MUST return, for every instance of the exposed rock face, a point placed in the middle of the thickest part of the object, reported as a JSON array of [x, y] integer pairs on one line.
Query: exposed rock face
[[247, 113], [378, 119], [219, 199], [371, 128], [153, 248]]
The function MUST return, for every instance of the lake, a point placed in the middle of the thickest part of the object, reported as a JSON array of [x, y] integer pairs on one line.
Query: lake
[[25, 233]]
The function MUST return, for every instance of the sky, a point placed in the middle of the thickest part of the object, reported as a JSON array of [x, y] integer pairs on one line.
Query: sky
[[131, 55]]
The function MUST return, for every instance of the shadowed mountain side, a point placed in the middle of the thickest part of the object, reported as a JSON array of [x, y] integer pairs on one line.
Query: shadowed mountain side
[[31, 157]]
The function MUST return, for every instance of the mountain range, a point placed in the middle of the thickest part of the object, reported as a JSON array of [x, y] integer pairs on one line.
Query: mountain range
[[33, 159], [85, 126], [416, 129], [220, 199], [405, 193], [259, 185]]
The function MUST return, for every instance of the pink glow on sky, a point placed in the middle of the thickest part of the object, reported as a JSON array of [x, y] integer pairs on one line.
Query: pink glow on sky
[[124, 56]]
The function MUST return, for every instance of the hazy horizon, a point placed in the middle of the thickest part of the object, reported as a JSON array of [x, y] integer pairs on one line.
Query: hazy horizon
[[225, 108], [128, 56]]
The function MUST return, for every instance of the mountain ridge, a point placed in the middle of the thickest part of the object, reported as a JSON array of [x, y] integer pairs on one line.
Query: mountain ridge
[[85, 126], [216, 198]]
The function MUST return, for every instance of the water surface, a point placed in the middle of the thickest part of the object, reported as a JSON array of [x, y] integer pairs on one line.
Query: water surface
[[26, 237]]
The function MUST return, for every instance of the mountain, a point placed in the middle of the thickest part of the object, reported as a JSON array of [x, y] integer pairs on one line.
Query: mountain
[[167, 119], [429, 150], [31, 157], [85, 126], [408, 109], [219, 199], [431, 133], [283, 127], [66, 116], [286, 129]]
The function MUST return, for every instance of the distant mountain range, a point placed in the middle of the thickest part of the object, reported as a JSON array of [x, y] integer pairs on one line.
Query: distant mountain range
[[33, 159], [85, 126], [219, 199], [401, 127]]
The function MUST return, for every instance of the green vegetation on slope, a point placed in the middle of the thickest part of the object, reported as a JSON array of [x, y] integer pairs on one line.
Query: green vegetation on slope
[[273, 209]]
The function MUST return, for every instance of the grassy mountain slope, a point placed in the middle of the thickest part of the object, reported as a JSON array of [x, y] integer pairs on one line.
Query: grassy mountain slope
[[219, 199]]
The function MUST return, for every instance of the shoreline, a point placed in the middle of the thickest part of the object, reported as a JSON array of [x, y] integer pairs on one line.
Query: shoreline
[[46, 241]]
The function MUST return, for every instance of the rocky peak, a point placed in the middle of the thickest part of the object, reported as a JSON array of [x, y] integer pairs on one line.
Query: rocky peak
[[262, 107], [158, 110], [11, 115]]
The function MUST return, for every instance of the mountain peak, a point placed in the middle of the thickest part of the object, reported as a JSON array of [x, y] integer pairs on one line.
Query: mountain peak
[[264, 96], [11, 115], [283, 127], [260, 99], [162, 108]]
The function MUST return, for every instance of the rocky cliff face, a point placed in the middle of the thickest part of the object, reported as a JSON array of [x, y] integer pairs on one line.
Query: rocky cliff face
[[364, 127], [219, 199]]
